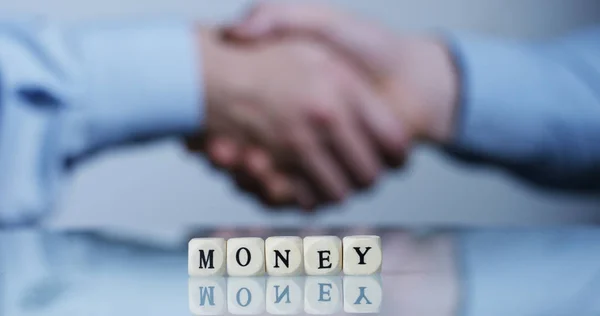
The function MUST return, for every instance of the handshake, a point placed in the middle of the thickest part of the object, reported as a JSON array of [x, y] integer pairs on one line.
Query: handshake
[[306, 104]]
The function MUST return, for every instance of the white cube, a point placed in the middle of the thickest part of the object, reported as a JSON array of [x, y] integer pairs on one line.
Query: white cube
[[207, 257], [323, 295], [207, 295], [284, 256], [322, 255], [362, 294], [362, 255], [285, 295], [245, 257], [246, 295]]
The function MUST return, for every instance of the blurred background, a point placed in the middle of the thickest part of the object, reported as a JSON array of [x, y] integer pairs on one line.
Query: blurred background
[[159, 188], [161, 196]]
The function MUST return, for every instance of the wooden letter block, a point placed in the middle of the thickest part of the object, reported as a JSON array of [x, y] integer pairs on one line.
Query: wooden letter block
[[284, 256], [245, 257], [322, 255], [206, 257], [362, 255]]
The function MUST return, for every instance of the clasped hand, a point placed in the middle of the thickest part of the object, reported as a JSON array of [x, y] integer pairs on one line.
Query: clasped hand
[[305, 104]]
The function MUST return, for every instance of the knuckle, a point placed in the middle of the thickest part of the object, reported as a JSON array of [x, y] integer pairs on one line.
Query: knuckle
[[297, 142], [340, 196], [370, 178], [323, 113]]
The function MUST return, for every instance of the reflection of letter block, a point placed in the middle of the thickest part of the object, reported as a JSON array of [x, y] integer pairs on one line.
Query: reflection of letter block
[[362, 294], [322, 255], [285, 295], [284, 256], [362, 255], [207, 296], [323, 295], [206, 257], [246, 295], [245, 257]]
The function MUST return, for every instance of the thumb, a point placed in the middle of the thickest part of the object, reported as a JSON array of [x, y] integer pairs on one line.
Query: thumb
[[267, 19], [362, 41]]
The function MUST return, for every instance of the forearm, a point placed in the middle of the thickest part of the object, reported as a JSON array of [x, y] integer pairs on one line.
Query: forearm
[[69, 92], [531, 108]]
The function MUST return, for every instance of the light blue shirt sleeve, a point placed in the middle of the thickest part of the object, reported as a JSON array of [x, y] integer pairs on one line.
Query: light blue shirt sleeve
[[533, 108], [67, 92]]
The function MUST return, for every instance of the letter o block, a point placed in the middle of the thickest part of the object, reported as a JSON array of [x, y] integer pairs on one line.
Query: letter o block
[[362, 255], [284, 256], [206, 257], [322, 255], [245, 257]]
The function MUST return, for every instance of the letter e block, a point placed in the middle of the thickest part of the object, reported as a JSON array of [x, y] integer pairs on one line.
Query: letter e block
[[322, 255]]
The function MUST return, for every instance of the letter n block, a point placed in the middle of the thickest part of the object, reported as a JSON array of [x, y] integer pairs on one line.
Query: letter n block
[[362, 255], [322, 255], [284, 256], [206, 257]]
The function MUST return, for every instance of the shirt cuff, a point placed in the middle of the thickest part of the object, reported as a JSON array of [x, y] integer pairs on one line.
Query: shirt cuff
[[499, 99], [144, 81]]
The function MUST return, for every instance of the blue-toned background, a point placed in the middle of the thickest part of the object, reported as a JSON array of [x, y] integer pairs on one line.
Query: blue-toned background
[[158, 189]]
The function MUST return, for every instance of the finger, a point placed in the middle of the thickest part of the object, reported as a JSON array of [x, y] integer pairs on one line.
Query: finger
[[279, 189], [354, 150], [380, 122], [272, 189], [320, 166], [196, 143], [257, 162], [248, 184], [268, 18], [223, 152], [305, 195], [362, 41]]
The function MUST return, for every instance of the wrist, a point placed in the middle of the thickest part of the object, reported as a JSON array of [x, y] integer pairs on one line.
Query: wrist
[[445, 94], [223, 73], [425, 88]]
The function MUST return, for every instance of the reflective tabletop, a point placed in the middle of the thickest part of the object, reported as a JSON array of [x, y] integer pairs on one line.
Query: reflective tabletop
[[550, 271]]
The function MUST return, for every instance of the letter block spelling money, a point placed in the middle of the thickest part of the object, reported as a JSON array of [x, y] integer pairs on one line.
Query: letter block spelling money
[[284, 256], [362, 255], [245, 257], [207, 257], [322, 255]]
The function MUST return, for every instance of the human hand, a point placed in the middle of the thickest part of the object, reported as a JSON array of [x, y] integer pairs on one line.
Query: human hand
[[294, 105], [415, 74]]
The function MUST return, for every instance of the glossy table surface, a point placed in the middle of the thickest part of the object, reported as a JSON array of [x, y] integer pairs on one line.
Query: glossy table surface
[[550, 271]]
